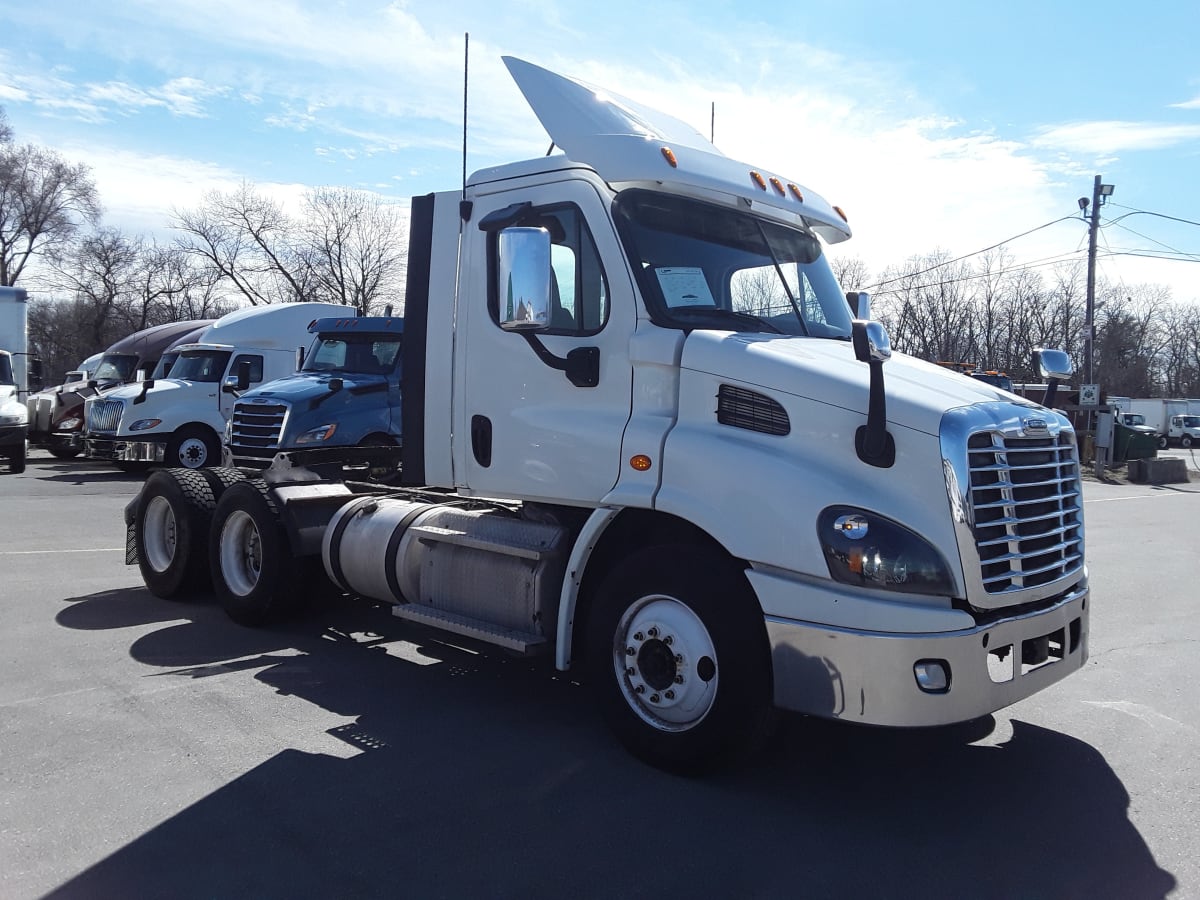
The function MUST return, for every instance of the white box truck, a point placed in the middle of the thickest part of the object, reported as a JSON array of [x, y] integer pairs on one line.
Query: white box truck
[[643, 435], [1171, 419], [180, 419]]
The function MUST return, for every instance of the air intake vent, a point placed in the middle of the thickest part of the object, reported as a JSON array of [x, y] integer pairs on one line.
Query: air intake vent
[[750, 410]]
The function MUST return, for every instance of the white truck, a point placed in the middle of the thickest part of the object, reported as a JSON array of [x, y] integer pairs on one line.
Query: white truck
[[14, 418], [1173, 420], [180, 419], [643, 435]]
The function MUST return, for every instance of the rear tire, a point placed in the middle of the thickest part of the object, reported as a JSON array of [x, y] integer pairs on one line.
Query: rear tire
[[678, 659], [64, 452], [171, 527], [1163, 443], [193, 447], [252, 567]]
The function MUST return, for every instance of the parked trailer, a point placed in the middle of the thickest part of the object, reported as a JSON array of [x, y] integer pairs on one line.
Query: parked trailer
[[617, 454]]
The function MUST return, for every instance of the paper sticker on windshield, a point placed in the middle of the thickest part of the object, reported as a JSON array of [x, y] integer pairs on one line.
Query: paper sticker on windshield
[[684, 286]]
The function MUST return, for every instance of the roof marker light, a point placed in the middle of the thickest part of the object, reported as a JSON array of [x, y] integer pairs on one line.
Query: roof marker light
[[778, 185], [838, 210], [759, 180], [669, 156], [796, 192]]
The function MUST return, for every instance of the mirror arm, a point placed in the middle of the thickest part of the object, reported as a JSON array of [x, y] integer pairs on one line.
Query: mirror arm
[[581, 365]]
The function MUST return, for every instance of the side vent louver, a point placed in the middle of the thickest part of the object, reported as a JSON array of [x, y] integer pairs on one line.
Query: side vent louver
[[750, 410]]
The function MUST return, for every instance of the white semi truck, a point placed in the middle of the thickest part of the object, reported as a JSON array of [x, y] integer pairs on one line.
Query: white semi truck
[[643, 435], [180, 419]]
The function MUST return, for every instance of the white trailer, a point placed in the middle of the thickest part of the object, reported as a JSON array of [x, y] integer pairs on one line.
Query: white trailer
[[620, 452], [180, 419]]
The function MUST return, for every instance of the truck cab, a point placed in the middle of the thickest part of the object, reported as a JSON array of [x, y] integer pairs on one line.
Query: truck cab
[[346, 394], [1185, 430], [179, 419], [14, 417]]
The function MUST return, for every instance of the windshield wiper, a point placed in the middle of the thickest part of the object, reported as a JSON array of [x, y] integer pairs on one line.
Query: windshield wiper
[[719, 314]]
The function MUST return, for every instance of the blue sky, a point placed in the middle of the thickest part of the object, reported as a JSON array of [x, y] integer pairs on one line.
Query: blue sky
[[936, 126]]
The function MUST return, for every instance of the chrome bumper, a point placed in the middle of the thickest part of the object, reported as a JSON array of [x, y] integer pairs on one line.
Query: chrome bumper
[[124, 451], [869, 677]]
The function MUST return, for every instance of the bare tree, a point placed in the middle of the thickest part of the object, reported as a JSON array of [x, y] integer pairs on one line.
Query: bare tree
[[356, 246], [6, 132], [44, 200], [248, 241], [99, 274]]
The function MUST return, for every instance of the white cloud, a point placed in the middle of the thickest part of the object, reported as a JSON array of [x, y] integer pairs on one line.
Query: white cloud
[[1111, 137]]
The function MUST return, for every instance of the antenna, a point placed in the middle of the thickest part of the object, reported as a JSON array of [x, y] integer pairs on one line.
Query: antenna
[[712, 124], [466, 61]]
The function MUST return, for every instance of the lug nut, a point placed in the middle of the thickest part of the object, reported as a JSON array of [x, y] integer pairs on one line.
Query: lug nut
[[678, 659], [653, 632], [670, 695], [654, 698], [640, 689], [668, 640], [629, 651], [631, 671], [679, 679], [639, 636]]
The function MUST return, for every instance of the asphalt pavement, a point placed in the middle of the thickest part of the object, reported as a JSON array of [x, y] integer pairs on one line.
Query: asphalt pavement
[[156, 749]]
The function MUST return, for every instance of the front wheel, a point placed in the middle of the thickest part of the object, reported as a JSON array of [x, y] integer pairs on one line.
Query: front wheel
[[1186, 441], [16, 462], [193, 447], [253, 572], [678, 659]]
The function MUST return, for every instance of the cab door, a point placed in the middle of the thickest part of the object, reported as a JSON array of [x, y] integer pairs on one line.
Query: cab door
[[524, 429]]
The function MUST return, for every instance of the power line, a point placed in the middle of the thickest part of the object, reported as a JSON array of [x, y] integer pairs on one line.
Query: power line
[[968, 255]]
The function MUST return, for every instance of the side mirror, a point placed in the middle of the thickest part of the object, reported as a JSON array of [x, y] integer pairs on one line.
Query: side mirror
[[523, 279], [1054, 364], [239, 383], [871, 342], [37, 377], [860, 304]]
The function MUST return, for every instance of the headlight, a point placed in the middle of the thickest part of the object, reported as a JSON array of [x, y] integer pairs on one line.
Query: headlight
[[145, 424], [72, 424], [12, 420], [864, 548], [317, 435]]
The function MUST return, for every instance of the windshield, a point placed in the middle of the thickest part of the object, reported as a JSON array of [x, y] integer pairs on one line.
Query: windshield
[[163, 369], [116, 367], [365, 354], [6, 372], [1190, 421], [706, 266], [200, 365]]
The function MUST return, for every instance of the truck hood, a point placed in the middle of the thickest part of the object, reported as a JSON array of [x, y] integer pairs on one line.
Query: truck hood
[[825, 371], [302, 386]]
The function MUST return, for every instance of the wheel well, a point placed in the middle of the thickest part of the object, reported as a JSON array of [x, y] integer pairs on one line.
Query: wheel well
[[377, 439], [631, 531]]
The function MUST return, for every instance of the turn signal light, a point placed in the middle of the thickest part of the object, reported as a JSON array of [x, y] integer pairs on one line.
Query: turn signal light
[[641, 462], [669, 156]]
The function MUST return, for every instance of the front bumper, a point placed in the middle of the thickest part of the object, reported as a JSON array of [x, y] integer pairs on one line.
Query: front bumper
[[868, 677], [124, 450]]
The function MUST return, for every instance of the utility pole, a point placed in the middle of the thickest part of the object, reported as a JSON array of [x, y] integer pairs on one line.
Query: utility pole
[[1099, 193]]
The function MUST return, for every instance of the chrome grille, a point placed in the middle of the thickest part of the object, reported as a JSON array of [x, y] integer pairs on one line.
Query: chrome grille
[[104, 415], [1027, 509], [257, 426]]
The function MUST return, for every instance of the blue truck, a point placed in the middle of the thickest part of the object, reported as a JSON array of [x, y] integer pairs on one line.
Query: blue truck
[[346, 394]]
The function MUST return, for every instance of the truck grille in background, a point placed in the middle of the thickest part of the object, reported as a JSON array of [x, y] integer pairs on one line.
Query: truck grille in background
[[751, 410], [1027, 505], [104, 415], [257, 428]]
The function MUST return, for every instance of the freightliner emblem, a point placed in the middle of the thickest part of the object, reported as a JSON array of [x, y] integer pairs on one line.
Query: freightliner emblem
[[1034, 427]]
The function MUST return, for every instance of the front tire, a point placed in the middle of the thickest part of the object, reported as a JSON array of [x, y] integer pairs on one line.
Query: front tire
[[678, 659], [253, 571], [1186, 442], [16, 462]]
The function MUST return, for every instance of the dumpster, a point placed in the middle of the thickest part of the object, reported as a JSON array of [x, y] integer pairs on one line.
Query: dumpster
[[1133, 442]]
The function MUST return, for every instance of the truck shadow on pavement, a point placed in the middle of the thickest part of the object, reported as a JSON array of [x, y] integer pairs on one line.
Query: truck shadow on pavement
[[479, 775]]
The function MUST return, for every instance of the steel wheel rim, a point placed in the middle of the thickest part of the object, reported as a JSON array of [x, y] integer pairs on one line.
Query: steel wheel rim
[[241, 553], [665, 663], [159, 534], [193, 453]]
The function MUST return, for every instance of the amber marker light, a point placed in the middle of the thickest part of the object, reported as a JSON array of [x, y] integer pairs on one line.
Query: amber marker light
[[759, 180], [641, 462], [669, 156], [796, 192], [778, 185], [838, 210]]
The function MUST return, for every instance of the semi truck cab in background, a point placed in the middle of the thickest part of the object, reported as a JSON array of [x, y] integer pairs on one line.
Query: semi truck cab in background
[[644, 436]]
